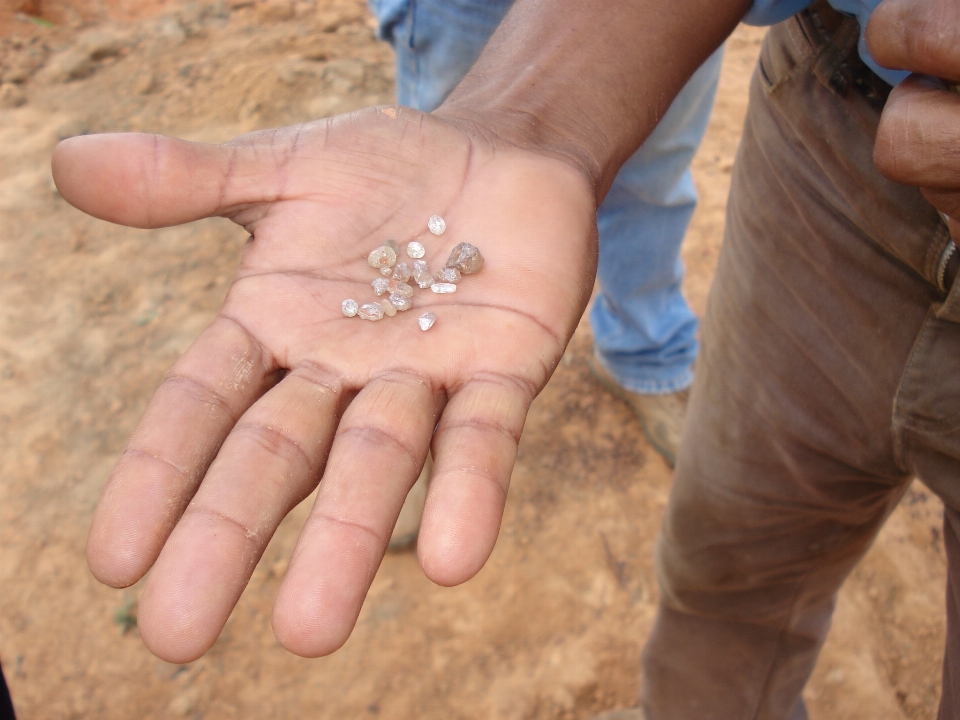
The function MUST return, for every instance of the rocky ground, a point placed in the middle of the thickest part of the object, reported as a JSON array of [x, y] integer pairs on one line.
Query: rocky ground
[[91, 316]]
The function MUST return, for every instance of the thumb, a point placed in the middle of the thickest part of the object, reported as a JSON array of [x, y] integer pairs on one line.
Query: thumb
[[149, 181]]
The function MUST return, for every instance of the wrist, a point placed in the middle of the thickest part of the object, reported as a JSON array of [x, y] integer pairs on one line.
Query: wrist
[[527, 130]]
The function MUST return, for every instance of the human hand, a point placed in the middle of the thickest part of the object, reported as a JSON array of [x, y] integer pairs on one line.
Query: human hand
[[282, 390], [918, 142]]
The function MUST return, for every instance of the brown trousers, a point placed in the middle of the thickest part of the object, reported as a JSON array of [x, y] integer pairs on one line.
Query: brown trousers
[[829, 377]]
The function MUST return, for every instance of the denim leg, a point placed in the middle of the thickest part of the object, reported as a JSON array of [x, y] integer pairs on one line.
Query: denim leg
[[436, 42], [644, 331]]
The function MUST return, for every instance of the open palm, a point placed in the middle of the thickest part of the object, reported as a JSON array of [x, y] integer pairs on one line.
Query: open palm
[[282, 392]]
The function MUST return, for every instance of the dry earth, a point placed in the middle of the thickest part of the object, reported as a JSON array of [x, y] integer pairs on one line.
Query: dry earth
[[91, 316]]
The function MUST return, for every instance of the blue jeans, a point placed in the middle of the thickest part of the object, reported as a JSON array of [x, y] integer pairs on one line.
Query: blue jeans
[[644, 331]]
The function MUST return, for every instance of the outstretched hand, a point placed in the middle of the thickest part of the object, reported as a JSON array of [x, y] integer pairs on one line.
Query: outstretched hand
[[282, 392]]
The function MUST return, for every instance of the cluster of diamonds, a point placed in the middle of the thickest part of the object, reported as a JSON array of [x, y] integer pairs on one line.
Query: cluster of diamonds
[[395, 277]]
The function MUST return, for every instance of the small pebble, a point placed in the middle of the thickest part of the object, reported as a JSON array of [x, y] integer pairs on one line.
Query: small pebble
[[392, 244], [416, 251], [389, 309], [380, 285], [402, 272], [385, 271], [448, 275], [400, 288], [436, 224], [401, 302], [349, 307], [382, 257], [421, 274], [466, 258], [443, 288], [371, 311], [426, 321]]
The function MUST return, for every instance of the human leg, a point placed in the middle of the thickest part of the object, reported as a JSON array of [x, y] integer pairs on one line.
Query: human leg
[[644, 331], [435, 42], [950, 697], [791, 462]]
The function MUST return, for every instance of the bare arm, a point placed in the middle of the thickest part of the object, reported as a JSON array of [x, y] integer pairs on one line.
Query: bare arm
[[589, 81]]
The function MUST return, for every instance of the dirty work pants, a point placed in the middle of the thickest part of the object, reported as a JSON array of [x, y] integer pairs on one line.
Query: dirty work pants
[[829, 377]]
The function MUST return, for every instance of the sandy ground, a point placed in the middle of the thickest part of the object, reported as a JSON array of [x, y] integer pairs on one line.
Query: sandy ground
[[92, 315]]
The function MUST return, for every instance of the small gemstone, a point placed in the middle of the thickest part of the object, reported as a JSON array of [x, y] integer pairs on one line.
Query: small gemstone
[[349, 307], [448, 275], [389, 309], [401, 302], [466, 258], [426, 321], [382, 257], [385, 271], [443, 288], [402, 272], [416, 250], [400, 288], [392, 244], [371, 311], [421, 274], [380, 285], [436, 224]]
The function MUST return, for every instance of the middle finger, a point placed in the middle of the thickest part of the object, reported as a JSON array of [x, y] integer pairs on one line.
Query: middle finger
[[380, 448]]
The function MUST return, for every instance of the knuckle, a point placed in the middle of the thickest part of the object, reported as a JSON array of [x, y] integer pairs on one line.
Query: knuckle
[[275, 442], [376, 437], [201, 391], [348, 524]]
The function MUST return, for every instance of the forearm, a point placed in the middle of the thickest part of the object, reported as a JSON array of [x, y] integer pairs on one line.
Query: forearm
[[588, 81]]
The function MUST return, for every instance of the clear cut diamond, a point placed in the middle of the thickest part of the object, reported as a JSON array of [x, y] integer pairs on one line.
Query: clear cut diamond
[[443, 288], [426, 321], [382, 257], [416, 250], [421, 274], [448, 275], [349, 307], [370, 311], [465, 258], [380, 285], [402, 272], [436, 224]]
